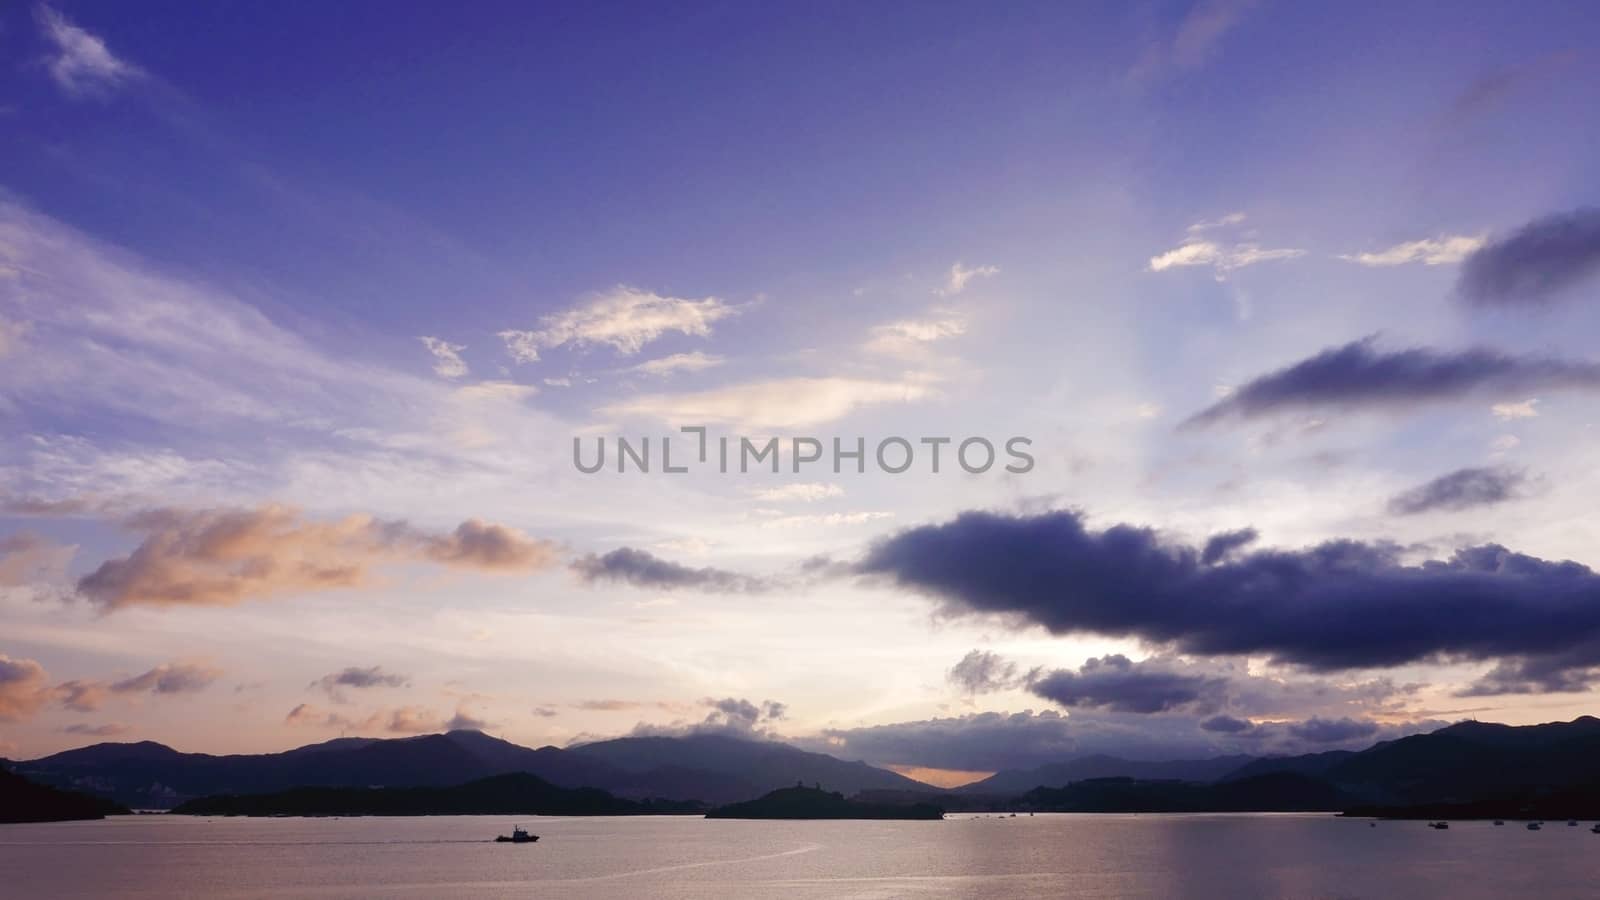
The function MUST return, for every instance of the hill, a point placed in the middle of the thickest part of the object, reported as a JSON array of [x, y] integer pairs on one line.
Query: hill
[[814, 803], [23, 801], [713, 769], [1020, 781], [515, 794]]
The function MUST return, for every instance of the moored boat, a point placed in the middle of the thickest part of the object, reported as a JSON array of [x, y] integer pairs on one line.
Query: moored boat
[[518, 836]]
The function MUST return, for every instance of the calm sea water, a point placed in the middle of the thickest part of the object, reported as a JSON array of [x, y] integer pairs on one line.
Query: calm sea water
[[1223, 856]]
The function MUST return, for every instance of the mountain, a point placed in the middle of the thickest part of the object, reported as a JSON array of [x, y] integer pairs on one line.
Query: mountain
[[756, 766], [1019, 781], [1459, 764], [23, 801], [709, 768], [1309, 764], [514, 794], [814, 803]]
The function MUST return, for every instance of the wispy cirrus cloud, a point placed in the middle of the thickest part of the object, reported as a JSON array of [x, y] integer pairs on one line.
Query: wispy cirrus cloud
[[911, 336], [1359, 375], [777, 403], [960, 276], [678, 362], [1204, 246], [1537, 264], [80, 63], [624, 319], [447, 361], [1437, 251]]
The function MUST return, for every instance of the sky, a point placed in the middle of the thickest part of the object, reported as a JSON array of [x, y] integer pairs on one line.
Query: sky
[[1278, 322]]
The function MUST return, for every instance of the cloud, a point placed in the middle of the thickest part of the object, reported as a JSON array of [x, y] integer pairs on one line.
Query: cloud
[[678, 362], [733, 716], [641, 568], [1204, 27], [400, 720], [1341, 605], [807, 492], [1225, 724], [1568, 673], [22, 688], [1360, 376], [982, 672], [1523, 410], [82, 696], [111, 729], [169, 678], [28, 559], [910, 336], [960, 277], [625, 319], [359, 678], [1536, 264], [222, 557], [80, 63], [1221, 256], [1117, 683], [1428, 251], [447, 362], [827, 520], [1461, 489], [779, 403], [1333, 731], [1220, 546]]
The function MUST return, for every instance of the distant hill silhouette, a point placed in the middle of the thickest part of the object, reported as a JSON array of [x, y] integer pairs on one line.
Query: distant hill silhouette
[[1276, 792], [1020, 781], [513, 794], [714, 769], [1461, 763], [815, 803], [24, 801]]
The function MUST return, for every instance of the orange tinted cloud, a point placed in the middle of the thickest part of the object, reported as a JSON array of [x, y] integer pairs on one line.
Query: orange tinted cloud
[[222, 557], [22, 688]]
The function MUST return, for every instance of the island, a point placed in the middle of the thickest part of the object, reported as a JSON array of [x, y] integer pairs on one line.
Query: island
[[24, 801], [814, 803], [517, 793]]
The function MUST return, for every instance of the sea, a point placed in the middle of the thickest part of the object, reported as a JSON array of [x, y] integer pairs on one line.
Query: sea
[[966, 855]]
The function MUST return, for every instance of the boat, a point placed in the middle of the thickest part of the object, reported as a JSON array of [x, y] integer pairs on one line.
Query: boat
[[1499, 821], [518, 836], [1533, 826], [1596, 828], [1439, 825], [1572, 823]]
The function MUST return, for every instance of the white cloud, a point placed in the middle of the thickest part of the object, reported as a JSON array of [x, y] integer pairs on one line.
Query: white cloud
[[1504, 444], [1147, 410], [624, 319], [1222, 257], [678, 362], [960, 276], [808, 492], [1428, 251], [558, 382], [81, 65], [1228, 220], [826, 520], [1523, 410], [911, 335], [447, 362], [779, 403]]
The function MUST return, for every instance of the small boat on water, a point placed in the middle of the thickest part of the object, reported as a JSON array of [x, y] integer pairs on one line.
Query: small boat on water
[[518, 836], [1439, 825], [1533, 826], [1596, 828], [1572, 823], [1499, 821]]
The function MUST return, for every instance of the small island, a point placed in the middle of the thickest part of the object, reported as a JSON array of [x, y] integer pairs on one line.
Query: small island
[[814, 803]]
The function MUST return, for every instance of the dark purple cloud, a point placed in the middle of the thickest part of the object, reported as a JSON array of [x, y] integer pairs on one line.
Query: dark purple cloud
[[1360, 376], [641, 568], [1333, 731], [1117, 683], [1225, 724], [1536, 264], [1341, 605], [1221, 545], [1461, 489]]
